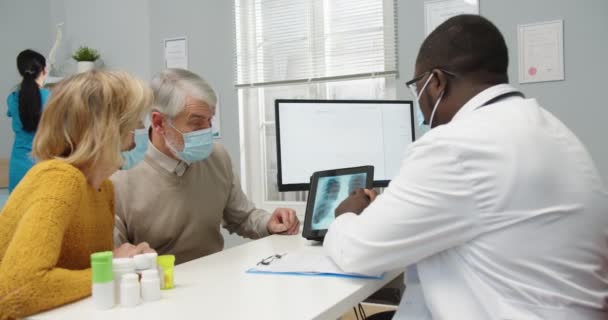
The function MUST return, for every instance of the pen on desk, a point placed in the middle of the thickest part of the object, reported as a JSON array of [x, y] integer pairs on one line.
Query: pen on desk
[[266, 261]]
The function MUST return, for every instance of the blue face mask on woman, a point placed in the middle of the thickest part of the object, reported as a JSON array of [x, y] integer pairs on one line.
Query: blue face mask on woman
[[134, 156], [198, 145]]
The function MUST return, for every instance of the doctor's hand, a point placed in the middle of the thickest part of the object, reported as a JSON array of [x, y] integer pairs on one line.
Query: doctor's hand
[[127, 250], [283, 221], [356, 202]]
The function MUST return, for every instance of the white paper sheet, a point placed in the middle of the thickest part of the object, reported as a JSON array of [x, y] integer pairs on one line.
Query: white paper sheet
[[541, 51], [176, 53], [304, 263], [438, 11]]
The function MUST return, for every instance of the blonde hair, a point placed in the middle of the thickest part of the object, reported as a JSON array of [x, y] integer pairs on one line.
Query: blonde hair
[[88, 117]]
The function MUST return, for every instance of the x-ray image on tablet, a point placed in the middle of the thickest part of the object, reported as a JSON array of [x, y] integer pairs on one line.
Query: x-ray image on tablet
[[330, 193], [328, 189]]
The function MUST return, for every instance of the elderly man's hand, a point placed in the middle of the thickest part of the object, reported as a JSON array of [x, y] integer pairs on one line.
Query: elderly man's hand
[[356, 202], [283, 221], [127, 250]]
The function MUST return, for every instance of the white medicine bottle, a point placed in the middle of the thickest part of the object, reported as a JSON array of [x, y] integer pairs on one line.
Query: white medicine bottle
[[120, 267], [129, 290], [150, 285]]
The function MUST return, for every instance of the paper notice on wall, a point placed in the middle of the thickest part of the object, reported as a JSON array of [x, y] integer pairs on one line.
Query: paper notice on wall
[[541, 51], [438, 11], [176, 53]]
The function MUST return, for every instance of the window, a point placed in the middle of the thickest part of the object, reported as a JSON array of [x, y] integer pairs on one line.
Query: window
[[313, 49]]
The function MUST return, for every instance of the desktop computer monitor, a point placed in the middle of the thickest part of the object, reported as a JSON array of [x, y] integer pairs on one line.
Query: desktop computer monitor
[[316, 135]]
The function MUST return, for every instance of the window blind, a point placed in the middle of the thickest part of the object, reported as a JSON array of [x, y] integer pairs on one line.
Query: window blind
[[297, 41]]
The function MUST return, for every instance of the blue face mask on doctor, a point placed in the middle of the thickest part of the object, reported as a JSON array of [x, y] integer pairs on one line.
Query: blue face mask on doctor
[[198, 145], [134, 156], [424, 127]]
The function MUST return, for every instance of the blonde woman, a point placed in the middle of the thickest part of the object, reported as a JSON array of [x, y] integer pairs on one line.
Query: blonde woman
[[63, 209]]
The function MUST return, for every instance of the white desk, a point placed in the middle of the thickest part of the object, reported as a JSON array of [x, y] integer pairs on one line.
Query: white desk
[[217, 287]]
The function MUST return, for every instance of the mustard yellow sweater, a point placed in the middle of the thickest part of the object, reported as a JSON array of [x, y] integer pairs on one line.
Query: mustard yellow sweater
[[49, 226]]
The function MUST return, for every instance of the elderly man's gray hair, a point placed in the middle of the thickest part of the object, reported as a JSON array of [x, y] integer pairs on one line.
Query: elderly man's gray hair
[[171, 87]]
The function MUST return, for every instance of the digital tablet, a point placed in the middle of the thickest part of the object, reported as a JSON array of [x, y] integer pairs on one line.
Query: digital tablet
[[327, 190]]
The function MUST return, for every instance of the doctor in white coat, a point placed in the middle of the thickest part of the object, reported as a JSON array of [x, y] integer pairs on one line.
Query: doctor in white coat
[[499, 207]]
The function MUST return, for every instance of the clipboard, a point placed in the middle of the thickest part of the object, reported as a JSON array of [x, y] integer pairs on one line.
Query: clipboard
[[305, 264]]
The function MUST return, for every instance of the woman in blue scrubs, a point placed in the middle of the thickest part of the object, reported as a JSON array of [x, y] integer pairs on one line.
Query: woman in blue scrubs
[[25, 106]]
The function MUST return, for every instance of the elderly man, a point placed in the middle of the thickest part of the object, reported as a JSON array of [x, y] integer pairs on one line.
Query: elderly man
[[185, 188], [499, 206]]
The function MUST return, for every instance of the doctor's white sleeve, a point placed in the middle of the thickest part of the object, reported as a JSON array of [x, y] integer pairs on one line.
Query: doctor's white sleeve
[[426, 209]]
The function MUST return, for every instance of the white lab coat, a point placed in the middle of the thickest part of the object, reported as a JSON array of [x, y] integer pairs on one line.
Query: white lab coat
[[503, 212]]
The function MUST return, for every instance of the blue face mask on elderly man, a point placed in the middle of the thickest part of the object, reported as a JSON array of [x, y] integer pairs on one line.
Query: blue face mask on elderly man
[[198, 145]]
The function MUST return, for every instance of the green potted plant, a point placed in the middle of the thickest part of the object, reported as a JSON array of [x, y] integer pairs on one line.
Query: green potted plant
[[86, 58]]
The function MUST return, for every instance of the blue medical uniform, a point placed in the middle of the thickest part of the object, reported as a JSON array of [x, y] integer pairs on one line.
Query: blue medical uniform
[[21, 160]]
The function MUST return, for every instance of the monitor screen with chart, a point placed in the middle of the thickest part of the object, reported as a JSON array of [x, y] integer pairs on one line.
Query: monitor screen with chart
[[316, 135]]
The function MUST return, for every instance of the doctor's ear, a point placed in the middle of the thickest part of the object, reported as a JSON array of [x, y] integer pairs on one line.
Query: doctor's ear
[[439, 82]]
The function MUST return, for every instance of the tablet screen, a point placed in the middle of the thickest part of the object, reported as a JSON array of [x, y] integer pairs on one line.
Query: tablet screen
[[331, 191]]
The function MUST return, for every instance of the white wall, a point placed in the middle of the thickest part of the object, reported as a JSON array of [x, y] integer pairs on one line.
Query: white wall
[[24, 24], [119, 30], [579, 100], [209, 28]]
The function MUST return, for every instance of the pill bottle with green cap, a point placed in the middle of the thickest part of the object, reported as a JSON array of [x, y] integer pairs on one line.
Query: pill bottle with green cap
[[103, 283]]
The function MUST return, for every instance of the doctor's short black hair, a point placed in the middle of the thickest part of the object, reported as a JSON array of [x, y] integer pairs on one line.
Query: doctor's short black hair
[[468, 45]]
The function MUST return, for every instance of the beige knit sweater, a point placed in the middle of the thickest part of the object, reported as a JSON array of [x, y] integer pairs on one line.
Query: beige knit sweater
[[178, 209]]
